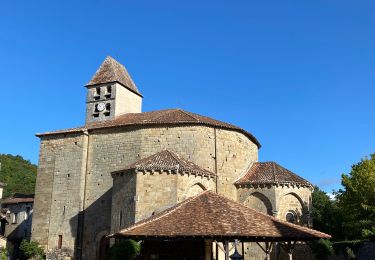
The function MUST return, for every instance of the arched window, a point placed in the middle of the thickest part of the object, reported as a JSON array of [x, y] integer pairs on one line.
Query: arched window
[[291, 216]]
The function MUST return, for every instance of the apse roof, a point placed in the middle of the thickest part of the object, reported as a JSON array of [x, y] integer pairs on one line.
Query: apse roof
[[271, 173], [167, 117], [166, 161]]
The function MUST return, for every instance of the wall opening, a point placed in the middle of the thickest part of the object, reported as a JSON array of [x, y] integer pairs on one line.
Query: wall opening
[[59, 242]]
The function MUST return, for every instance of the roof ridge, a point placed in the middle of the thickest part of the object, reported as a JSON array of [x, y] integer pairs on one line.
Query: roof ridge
[[274, 170], [246, 171], [161, 215], [295, 175], [175, 156], [189, 114]]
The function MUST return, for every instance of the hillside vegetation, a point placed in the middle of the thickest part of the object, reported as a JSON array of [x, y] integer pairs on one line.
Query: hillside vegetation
[[18, 173]]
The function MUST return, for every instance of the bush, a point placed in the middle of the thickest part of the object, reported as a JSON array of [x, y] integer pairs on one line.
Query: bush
[[3, 254], [126, 249], [322, 249], [32, 250]]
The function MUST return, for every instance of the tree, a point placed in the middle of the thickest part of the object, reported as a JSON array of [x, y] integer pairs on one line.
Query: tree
[[18, 173], [322, 249], [358, 199], [126, 249], [327, 216], [32, 250]]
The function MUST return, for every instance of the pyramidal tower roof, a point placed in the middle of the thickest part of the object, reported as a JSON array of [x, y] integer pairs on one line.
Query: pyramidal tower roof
[[113, 71]]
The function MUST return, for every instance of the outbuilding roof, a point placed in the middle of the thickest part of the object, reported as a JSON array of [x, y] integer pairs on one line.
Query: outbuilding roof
[[113, 71], [166, 161], [271, 173], [167, 117], [209, 215], [18, 198]]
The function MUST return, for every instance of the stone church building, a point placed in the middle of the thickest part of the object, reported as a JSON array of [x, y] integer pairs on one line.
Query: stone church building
[[124, 165]]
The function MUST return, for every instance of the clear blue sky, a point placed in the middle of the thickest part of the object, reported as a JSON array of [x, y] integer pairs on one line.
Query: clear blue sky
[[299, 75]]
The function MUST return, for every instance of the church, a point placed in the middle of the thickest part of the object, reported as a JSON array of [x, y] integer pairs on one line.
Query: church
[[125, 165]]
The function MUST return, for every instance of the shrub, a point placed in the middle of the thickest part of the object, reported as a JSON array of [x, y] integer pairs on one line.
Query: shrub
[[3, 254], [32, 250], [126, 249], [322, 249]]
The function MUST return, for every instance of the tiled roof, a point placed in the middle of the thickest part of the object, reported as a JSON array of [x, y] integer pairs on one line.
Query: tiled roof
[[211, 215], [166, 161], [113, 71], [159, 117], [271, 173], [18, 198]]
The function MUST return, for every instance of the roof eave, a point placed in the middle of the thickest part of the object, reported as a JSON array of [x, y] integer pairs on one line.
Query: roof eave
[[115, 81]]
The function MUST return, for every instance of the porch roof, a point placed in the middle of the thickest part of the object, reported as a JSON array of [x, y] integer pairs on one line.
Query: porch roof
[[209, 215]]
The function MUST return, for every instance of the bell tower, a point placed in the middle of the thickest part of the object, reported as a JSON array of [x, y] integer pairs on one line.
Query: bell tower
[[111, 92]]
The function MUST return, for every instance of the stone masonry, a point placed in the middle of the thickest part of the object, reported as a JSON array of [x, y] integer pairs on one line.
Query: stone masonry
[[77, 202]]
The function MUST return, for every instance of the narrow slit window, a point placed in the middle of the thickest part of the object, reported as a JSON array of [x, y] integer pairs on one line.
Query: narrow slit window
[[59, 242]]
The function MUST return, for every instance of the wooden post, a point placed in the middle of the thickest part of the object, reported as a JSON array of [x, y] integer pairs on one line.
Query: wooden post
[[267, 249], [226, 250], [289, 247], [243, 250]]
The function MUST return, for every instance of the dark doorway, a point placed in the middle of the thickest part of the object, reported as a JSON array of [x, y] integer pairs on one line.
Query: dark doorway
[[172, 250], [103, 248]]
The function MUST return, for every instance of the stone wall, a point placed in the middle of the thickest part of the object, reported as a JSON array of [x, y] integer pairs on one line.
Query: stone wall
[[123, 201], [235, 154], [137, 196], [126, 101], [65, 181], [262, 199], [121, 101], [278, 200], [296, 199], [59, 189]]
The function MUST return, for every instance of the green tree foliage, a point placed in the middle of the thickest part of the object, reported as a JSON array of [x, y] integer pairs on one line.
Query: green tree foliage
[[18, 173], [322, 249], [3, 254], [126, 249], [327, 215], [32, 250], [358, 199]]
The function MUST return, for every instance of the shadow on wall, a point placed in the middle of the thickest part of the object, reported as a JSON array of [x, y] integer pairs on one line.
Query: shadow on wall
[[21, 231], [89, 227]]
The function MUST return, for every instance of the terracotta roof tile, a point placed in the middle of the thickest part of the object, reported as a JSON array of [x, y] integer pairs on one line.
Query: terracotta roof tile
[[271, 173], [18, 198], [113, 71], [168, 117], [167, 161], [211, 215]]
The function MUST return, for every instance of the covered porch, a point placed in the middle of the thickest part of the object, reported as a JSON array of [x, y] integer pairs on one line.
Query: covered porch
[[210, 226]]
